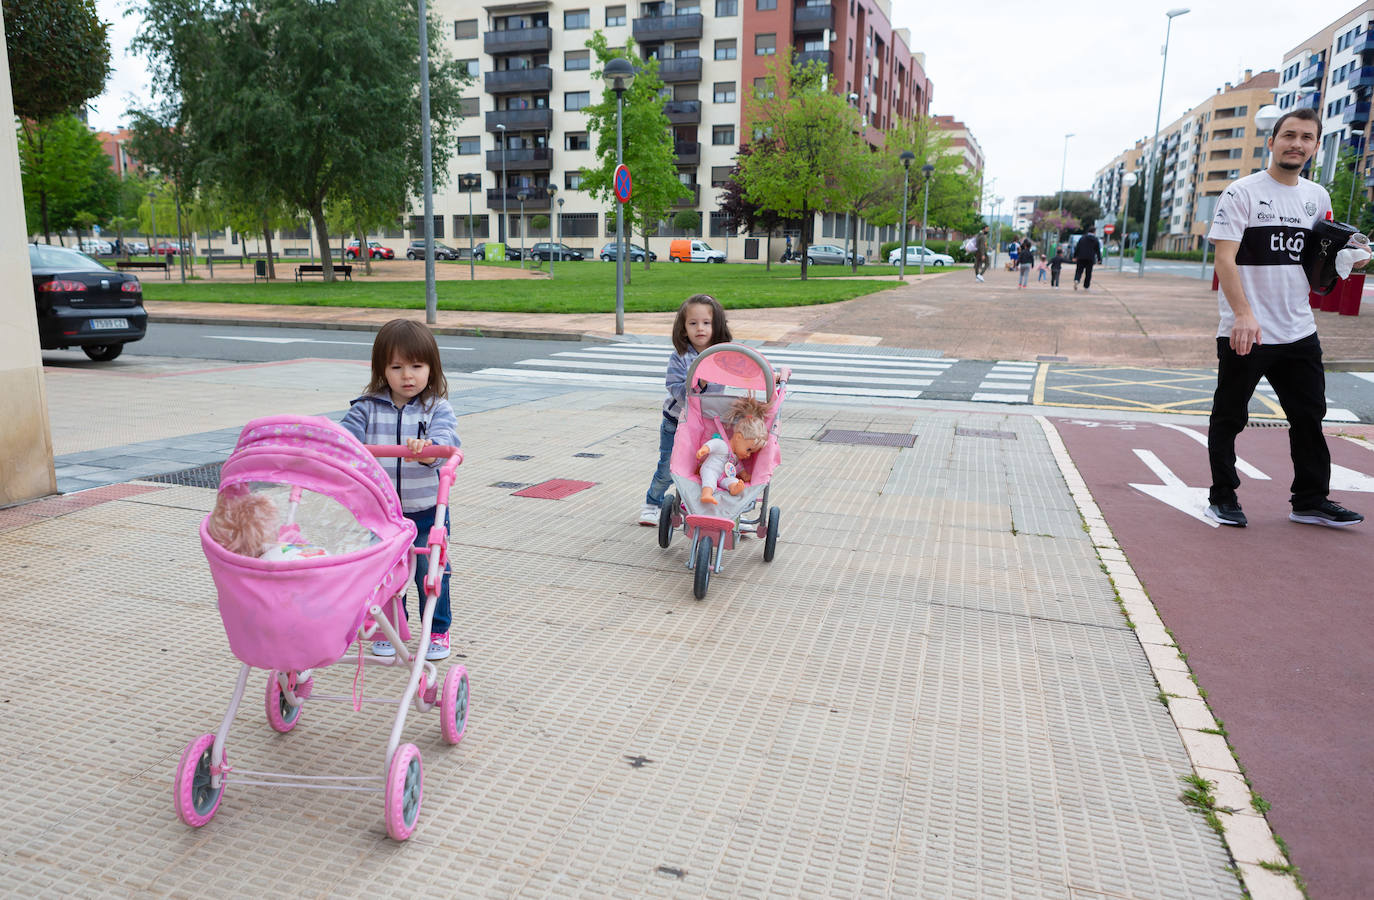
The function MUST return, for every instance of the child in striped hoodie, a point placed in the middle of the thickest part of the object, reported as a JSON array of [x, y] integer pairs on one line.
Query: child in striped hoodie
[[406, 402]]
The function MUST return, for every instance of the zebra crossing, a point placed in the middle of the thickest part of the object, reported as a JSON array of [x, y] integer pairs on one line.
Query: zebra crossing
[[822, 373]]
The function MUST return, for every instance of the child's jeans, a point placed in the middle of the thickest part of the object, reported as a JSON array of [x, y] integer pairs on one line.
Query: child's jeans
[[443, 616], [1041, 275], [663, 475]]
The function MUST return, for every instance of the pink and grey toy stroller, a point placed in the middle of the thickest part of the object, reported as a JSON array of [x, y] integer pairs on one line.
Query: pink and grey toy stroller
[[292, 616], [715, 528]]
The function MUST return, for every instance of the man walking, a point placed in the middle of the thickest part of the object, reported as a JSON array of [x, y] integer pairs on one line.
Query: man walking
[[1085, 255], [980, 254], [1267, 330]]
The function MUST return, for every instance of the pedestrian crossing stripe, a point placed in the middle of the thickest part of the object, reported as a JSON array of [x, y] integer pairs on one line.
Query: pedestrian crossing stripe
[[619, 362], [794, 358], [638, 380], [622, 367]]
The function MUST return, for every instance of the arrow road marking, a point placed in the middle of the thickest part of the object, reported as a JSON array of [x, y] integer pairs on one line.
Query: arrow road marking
[[1172, 490], [1241, 465]]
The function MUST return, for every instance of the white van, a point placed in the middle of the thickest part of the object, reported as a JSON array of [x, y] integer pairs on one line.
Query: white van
[[684, 250]]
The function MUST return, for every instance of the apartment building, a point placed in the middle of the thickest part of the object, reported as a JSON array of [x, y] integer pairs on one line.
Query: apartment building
[[963, 144], [1024, 210], [524, 132]]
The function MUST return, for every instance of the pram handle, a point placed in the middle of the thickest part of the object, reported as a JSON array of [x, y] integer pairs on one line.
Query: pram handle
[[758, 358], [454, 459]]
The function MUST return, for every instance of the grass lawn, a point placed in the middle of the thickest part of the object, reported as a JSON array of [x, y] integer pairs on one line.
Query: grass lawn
[[578, 287]]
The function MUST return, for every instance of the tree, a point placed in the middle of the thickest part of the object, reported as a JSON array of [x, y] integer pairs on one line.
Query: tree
[[954, 194], [1078, 205], [741, 214], [1348, 198], [59, 53], [861, 185], [647, 146], [161, 139], [66, 176], [303, 103], [1052, 221], [687, 220]]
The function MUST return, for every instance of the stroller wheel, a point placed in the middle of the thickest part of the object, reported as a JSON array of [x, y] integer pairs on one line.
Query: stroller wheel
[[453, 705], [282, 716], [770, 543], [195, 800], [665, 519], [404, 792], [701, 568]]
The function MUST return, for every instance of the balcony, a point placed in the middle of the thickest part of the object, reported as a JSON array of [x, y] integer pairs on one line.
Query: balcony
[[813, 18], [686, 68], [530, 159], [517, 120], [1356, 114], [1311, 101], [1311, 73], [649, 29], [1365, 44], [535, 199], [1362, 76], [688, 153], [683, 112], [692, 200], [517, 40], [520, 81], [806, 56]]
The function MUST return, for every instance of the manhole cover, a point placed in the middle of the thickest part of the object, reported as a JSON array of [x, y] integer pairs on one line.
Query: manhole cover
[[206, 476], [518, 456], [985, 433], [510, 485], [589, 455], [869, 438], [555, 489]]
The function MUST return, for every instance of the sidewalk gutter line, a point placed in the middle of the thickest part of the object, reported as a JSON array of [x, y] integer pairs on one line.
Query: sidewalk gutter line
[[453, 331], [1246, 833]]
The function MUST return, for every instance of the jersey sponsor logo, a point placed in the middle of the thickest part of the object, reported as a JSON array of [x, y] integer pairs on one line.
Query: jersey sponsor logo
[[1220, 217], [1272, 245]]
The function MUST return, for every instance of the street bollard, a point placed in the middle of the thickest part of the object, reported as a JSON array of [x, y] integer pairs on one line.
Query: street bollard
[[1331, 302], [1351, 292]]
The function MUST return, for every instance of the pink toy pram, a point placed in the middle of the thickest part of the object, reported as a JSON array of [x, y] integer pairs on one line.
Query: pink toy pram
[[293, 616], [715, 528]]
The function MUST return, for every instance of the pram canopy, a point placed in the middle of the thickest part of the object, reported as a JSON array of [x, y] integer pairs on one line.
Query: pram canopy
[[303, 613]]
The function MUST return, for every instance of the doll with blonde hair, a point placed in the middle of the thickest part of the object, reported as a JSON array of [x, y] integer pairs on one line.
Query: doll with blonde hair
[[720, 459]]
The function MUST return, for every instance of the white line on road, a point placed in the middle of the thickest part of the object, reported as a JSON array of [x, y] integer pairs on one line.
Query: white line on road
[[292, 340]]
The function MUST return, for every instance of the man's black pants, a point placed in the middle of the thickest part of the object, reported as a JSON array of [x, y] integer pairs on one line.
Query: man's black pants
[[1295, 372], [1083, 269]]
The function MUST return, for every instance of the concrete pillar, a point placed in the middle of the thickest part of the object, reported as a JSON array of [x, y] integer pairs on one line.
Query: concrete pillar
[[26, 468]]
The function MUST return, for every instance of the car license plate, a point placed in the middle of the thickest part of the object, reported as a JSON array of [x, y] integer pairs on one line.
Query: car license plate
[[103, 324]]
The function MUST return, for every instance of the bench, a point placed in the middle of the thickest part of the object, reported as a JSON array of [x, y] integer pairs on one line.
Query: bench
[[124, 265], [318, 269]]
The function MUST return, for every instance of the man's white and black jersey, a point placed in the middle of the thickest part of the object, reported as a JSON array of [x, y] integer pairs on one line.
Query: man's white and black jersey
[[1272, 222]]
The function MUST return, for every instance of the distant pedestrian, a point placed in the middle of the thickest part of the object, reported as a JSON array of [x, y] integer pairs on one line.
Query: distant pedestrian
[[1056, 263], [1040, 268], [1085, 255], [980, 254], [1025, 258], [787, 251]]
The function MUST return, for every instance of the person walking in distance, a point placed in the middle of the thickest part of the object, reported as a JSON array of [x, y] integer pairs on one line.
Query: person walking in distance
[[1267, 329], [1085, 255], [1025, 258], [980, 254]]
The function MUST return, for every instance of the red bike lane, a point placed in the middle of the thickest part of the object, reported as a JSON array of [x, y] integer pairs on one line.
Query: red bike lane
[[1276, 620]]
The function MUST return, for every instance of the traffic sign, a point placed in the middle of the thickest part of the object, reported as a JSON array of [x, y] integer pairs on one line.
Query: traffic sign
[[1109, 228], [623, 184]]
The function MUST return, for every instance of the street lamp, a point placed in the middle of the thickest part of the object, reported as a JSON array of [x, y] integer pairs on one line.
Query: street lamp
[[505, 217], [1150, 161], [152, 214], [521, 197], [552, 189], [427, 163], [619, 74], [1127, 182], [469, 183], [927, 170], [997, 244], [560, 234], [906, 158], [1063, 167], [1265, 118]]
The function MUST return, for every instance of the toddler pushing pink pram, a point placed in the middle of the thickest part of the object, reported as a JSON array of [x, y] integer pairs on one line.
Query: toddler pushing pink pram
[[724, 454], [310, 553]]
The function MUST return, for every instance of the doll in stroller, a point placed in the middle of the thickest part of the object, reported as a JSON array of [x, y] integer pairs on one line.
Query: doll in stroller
[[724, 455]]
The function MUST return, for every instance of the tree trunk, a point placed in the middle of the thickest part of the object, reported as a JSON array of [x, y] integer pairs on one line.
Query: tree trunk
[[365, 250], [267, 238], [322, 234], [768, 252], [43, 205], [802, 241]]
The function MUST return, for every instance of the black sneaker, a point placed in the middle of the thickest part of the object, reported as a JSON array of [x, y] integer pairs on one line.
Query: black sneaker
[[1327, 513], [1227, 514]]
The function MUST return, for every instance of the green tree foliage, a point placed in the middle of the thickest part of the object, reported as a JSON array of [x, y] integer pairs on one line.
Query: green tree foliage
[[1348, 197], [303, 103], [953, 193], [687, 220], [59, 53], [743, 215], [66, 177], [1078, 205]]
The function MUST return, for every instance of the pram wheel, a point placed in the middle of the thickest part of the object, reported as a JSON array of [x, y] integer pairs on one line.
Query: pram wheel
[[282, 716], [404, 792], [770, 543], [701, 568], [665, 519], [196, 801], [453, 705]]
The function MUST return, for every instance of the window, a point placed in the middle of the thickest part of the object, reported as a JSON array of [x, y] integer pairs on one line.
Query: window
[[469, 106], [574, 100], [575, 19], [464, 28], [726, 8], [765, 44], [763, 88], [763, 5], [477, 227], [475, 189], [472, 67], [417, 225], [724, 92], [725, 49], [723, 135], [686, 50], [577, 59], [467, 146], [615, 15], [720, 175], [576, 140], [578, 225], [572, 180], [851, 48]]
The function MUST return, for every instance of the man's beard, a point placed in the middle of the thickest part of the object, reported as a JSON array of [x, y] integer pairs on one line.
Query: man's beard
[[1292, 166]]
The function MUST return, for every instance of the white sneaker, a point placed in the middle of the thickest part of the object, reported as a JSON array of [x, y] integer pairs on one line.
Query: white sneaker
[[649, 515], [383, 648], [979, 277]]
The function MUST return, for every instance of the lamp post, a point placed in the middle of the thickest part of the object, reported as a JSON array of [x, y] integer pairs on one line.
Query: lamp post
[[552, 189], [619, 74], [997, 241], [906, 158], [427, 163], [470, 183], [152, 214], [501, 228], [927, 170], [560, 234], [1154, 143], [1063, 167], [1127, 182], [521, 197]]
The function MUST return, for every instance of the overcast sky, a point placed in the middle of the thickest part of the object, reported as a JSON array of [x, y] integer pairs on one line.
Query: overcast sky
[[1020, 75]]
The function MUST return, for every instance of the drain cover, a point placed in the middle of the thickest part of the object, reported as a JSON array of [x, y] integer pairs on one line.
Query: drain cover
[[555, 489], [518, 456], [510, 485], [985, 433], [589, 455], [206, 476], [869, 438]]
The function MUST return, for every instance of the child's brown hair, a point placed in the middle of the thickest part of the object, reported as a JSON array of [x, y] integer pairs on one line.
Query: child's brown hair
[[408, 341], [720, 332]]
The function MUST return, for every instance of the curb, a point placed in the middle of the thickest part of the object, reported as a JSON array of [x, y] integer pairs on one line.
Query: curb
[[457, 331]]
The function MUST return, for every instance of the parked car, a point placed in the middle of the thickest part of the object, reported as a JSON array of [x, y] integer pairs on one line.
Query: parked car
[[633, 252], [546, 251], [164, 248], [480, 252], [136, 248], [374, 250], [416, 250], [81, 303], [915, 255], [685, 250], [831, 255], [96, 247]]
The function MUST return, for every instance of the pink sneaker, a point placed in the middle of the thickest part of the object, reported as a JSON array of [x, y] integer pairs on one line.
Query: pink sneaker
[[438, 647]]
